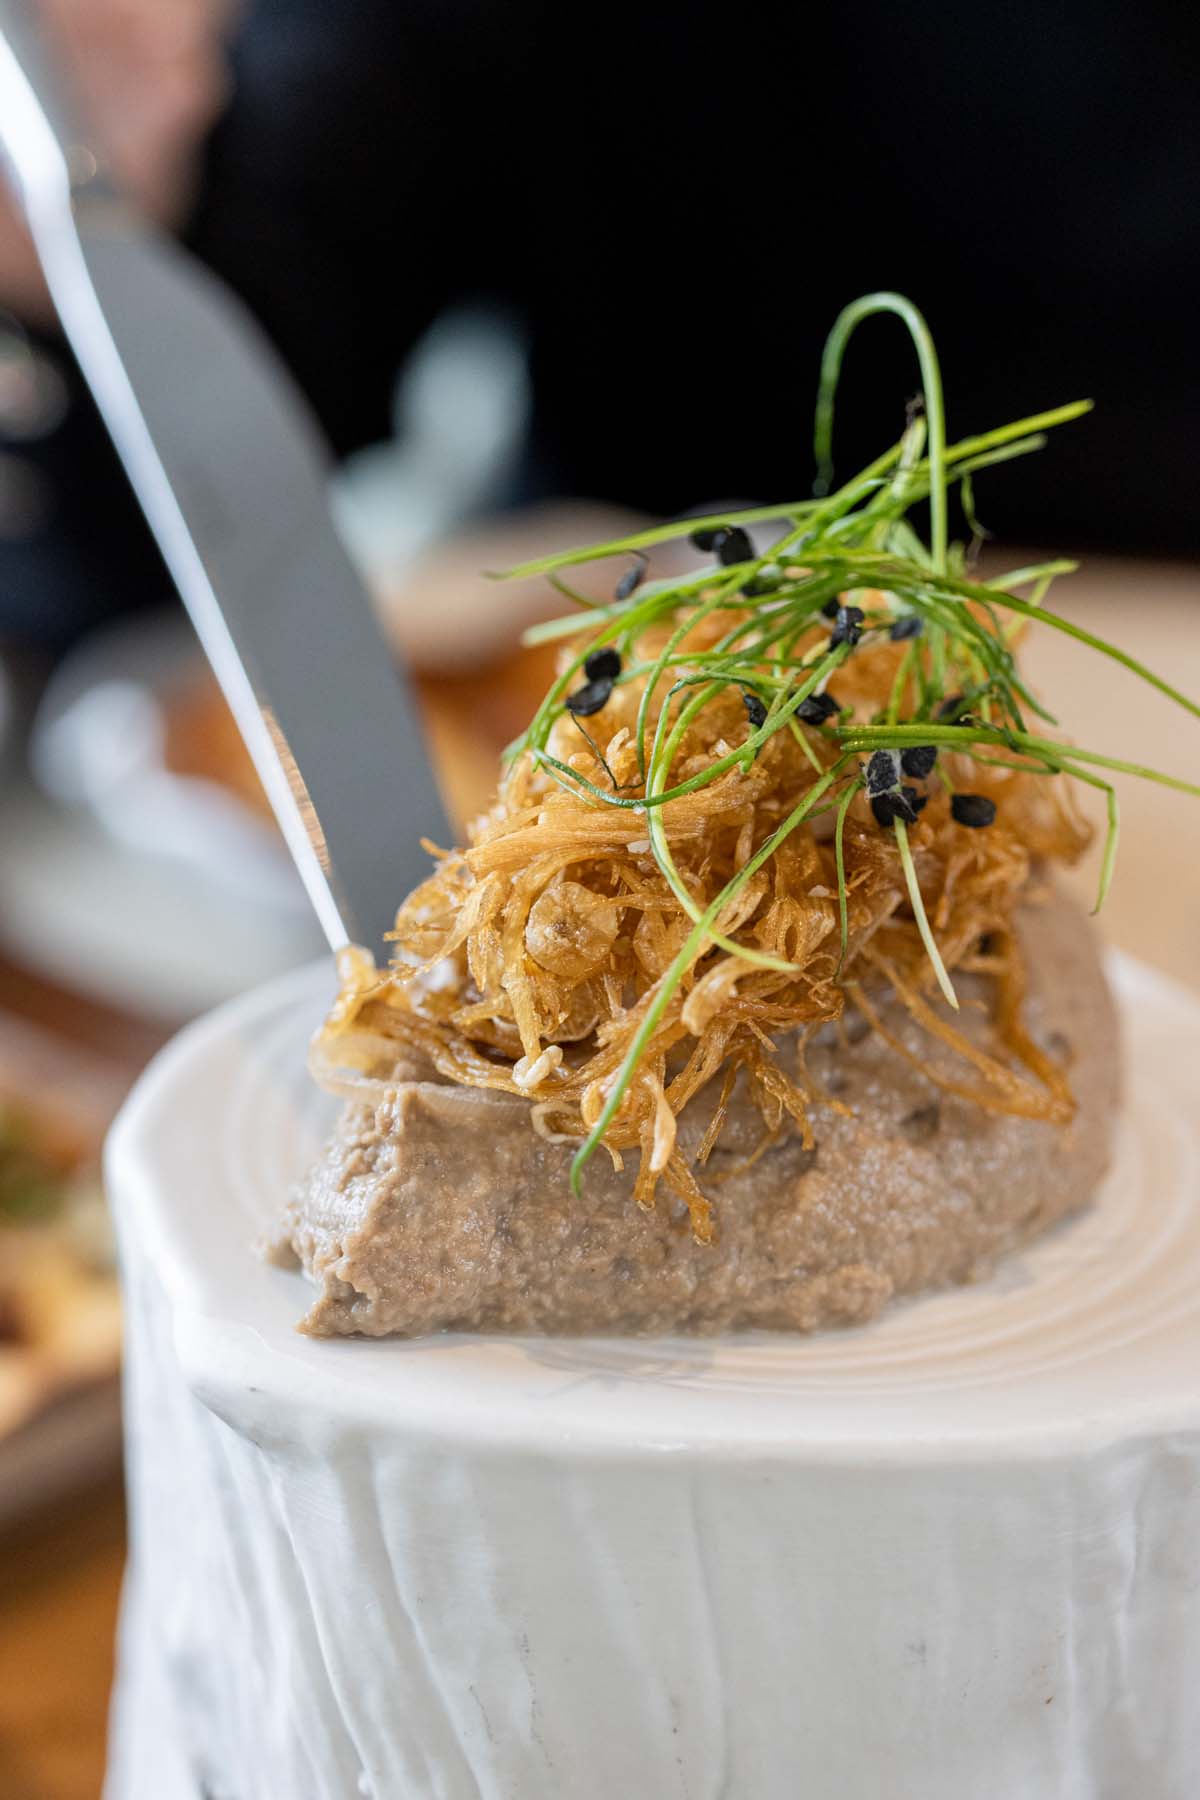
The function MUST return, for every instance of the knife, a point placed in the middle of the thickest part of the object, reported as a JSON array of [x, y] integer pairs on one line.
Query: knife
[[231, 472]]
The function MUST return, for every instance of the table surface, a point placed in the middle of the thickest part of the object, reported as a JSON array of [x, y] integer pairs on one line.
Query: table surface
[[60, 1573]]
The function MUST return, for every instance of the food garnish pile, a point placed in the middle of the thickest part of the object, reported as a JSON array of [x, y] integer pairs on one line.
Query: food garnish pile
[[804, 775]]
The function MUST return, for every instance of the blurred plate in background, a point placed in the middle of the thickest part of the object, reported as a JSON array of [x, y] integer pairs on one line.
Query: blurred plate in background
[[132, 729], [141, 934], [144, 870]]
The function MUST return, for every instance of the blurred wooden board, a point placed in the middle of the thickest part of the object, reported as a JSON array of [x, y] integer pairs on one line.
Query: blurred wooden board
[[60, 1577]]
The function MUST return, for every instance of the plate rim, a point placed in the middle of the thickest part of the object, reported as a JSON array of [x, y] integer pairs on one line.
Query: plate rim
[[306, 1388]]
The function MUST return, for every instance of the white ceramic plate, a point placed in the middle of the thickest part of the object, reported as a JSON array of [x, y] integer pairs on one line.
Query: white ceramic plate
[[1094, 1331], [137, 932]]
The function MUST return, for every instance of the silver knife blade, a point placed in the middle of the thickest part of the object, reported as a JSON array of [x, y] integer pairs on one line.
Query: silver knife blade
[[230, 471]]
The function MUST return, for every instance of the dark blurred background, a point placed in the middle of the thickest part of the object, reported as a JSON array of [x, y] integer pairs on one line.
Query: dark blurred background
[[672, 201]]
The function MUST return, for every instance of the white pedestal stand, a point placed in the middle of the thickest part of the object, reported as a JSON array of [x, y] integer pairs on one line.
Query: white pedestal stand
[[952, 1556]]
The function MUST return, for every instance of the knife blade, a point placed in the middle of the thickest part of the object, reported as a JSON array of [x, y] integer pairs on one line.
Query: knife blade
[[230, 470]]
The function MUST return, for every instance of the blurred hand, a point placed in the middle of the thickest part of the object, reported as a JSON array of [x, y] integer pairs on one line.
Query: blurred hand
[[148, 77]]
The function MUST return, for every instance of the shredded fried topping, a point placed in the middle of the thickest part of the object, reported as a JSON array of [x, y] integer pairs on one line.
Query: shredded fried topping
[[528, 960], [796, 778]]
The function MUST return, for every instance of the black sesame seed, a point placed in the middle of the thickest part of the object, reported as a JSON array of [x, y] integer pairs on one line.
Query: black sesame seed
[[706, 539], [816, 708], [904, 804], [590, 697], [887, 808], [602, 665], [830, 608], [756, 712], [883, 775], [758, 585], [918, 760], [848, 628], [910, 626], [949, 710], [632, 578], [975, 810], [733, 546]]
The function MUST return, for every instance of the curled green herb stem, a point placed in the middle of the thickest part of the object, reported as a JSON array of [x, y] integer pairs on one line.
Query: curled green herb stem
[[919, 914], [845, 325], [1112, 834], [839, 857]]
